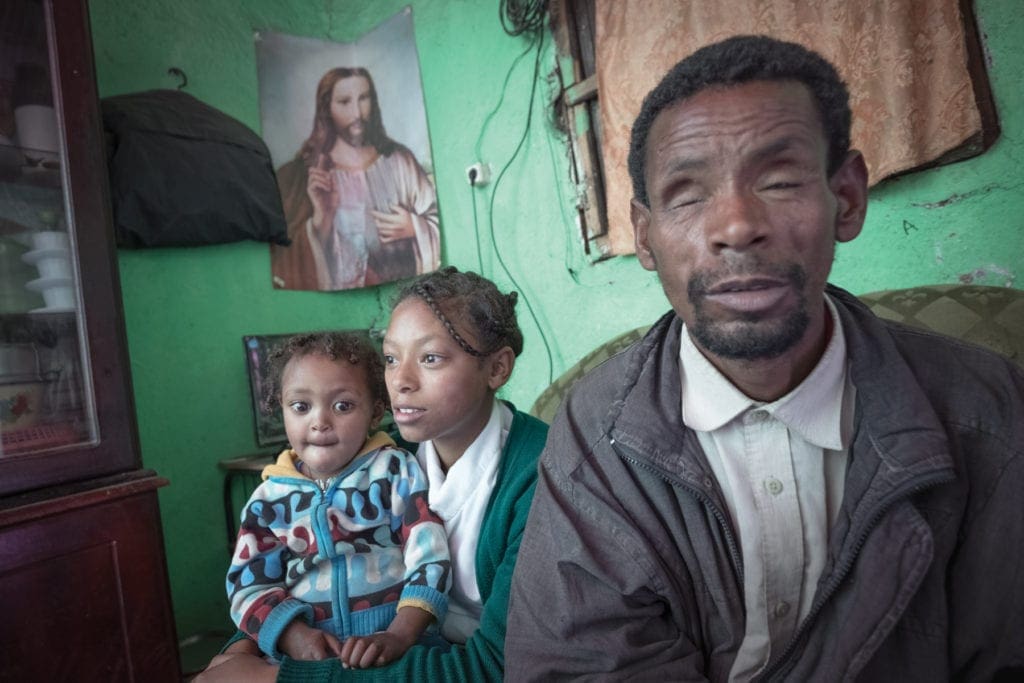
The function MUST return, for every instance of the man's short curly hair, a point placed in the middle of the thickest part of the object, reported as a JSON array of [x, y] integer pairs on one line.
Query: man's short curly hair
[[742, 59], [473, 301], [352, 347]]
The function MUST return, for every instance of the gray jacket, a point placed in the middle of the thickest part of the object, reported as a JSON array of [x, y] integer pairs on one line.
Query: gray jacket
[[630, 567]]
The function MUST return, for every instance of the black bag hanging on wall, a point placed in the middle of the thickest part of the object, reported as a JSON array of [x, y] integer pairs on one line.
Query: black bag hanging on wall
[[185, 174]]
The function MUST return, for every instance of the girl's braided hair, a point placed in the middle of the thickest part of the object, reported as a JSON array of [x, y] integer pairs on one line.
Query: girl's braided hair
[[473, 301], [350, 346]]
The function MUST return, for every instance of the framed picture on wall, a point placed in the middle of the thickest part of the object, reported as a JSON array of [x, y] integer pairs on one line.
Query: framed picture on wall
[[346, 127], [267, 414]]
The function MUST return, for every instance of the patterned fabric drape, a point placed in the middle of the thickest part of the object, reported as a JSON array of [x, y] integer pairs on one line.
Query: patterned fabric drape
[[904, 61]]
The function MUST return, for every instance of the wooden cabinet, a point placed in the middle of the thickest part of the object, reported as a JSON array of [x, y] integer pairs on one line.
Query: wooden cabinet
[[84, 586], [83, 577]]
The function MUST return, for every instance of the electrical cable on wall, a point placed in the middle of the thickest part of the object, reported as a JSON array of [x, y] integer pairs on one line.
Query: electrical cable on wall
[[494, 192], [476, 224], [517, 17], [568, 244], [501, 100], [522, 16], [478, 154]]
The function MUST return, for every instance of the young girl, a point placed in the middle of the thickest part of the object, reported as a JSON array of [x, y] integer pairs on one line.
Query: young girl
[[338, 542], [451, 344]]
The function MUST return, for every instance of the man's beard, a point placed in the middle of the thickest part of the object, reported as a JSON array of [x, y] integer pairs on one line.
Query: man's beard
[[751, 337], [354, 139]]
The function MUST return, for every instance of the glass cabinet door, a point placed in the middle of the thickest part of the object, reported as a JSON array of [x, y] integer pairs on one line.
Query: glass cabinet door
[[60, 321], [44, 387]]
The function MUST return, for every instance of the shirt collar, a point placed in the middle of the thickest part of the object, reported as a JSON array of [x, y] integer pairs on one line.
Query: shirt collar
[[710, 401], [475, 458], [813, 409]]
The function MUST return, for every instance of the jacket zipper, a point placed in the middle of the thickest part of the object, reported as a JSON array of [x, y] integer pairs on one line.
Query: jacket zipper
[[338, 565], [844, 569], [320, 529], [705, 500]]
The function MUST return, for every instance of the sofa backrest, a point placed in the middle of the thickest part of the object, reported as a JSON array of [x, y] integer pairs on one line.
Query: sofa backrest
[[989, 316]]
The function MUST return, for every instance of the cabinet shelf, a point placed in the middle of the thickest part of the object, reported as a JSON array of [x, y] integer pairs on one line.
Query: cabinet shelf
[[32, 167]]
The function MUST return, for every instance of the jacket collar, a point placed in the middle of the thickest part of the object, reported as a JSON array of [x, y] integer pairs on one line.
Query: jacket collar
[[899, 442], [645, 416], [899, 445]]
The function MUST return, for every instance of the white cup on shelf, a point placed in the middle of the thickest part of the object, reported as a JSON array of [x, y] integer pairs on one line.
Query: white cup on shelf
[[49, 239], [61, 297], [37, 131], [58, 292], [51, 263]]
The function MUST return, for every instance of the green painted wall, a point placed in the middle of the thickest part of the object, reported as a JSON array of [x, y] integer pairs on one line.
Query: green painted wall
[[186, 309]]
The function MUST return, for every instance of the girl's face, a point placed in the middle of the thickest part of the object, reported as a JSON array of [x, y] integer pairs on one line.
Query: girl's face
[[439, 392], [328, 411]]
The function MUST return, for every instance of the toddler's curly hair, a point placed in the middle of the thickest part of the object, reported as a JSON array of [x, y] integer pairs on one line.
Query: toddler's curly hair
[[352, 347]]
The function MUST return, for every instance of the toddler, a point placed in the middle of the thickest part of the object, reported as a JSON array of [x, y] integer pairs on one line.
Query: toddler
[[338, 544]]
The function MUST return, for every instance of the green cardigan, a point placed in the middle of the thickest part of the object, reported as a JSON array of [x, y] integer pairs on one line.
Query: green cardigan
[[482, 658]]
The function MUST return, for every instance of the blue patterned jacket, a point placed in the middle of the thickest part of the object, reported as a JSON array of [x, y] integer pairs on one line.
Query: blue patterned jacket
[[345, 557]]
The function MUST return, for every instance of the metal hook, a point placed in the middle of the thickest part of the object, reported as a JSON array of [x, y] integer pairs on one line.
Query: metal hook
[[175, 71]]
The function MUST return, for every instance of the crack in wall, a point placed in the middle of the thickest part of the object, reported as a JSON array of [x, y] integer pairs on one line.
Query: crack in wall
[[959, 197]]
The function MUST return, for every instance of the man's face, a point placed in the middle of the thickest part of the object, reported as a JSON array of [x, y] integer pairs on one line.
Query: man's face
[[743, 218], [350, 109]]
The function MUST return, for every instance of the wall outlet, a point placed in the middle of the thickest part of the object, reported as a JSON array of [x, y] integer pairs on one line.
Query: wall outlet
[[478, 174]]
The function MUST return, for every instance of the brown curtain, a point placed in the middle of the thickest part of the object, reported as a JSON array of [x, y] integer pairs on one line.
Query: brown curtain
[[904, 61]]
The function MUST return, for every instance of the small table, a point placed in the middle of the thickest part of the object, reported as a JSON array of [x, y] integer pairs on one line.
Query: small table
[[246, 468]]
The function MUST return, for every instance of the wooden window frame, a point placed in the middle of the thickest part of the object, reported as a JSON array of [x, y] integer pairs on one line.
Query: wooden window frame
[[578, 110]]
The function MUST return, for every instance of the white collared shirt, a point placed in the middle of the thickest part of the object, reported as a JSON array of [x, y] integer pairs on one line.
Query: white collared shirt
[[781, 467], [460, 498]]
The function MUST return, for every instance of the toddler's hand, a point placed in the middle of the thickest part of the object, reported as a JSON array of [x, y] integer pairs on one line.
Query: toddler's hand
[[362, 652], [302, 641]]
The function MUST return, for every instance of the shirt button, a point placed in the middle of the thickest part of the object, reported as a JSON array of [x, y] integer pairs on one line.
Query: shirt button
[[773, 485], [758, 416], [781, 610]]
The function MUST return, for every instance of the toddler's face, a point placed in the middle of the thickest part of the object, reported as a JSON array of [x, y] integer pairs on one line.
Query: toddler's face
[[328, 411]]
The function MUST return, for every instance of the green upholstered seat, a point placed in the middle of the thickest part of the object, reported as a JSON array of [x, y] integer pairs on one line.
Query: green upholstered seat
[[989, 316]]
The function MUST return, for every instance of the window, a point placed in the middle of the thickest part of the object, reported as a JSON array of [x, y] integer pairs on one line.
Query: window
[[580, 113]]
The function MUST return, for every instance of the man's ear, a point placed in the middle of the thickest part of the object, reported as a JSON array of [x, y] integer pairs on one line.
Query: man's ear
[[849, 184], [640, 216], [500, 363]]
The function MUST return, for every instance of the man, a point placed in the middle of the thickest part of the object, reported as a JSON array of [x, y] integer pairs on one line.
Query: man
[[360, 208], [773, 483]]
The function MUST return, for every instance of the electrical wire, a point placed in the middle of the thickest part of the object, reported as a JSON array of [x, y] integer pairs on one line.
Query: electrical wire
[[479, 141], [501, 100], [522, 16], [476, 226], [494, 192], [567, 243]]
